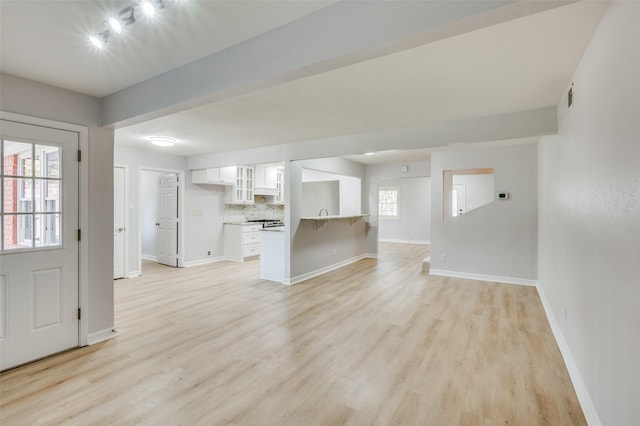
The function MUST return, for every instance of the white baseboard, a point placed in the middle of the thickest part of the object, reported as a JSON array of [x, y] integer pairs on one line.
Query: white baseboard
[[482, 277], [371, 255], [320, 271], [133, 274], [390, 240], [149, 257], [101, 336], [588, 408], [203, 261]]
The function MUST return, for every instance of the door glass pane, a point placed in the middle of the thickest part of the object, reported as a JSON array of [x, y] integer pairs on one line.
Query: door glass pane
[[17, 159], [49, 156], [18, 195], [17, 231], [52, 196], [31, 202], [47, 230]]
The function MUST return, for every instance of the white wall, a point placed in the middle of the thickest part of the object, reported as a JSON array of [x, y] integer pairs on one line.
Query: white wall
[[589, 241], [499, 239], [203, 208], [34, 99], [312, 249], [320, 195], [414, 222]]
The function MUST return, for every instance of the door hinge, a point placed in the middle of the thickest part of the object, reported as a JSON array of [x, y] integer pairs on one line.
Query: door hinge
[[79, 235], [79, 155], [79, 313]]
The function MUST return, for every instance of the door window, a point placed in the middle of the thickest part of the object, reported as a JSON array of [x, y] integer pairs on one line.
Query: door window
[[31, 200]]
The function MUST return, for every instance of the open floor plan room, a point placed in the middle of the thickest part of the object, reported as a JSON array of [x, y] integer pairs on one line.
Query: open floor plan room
[[375, 342]]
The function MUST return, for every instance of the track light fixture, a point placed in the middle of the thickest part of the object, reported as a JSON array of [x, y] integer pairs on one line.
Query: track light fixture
[[115, 24]]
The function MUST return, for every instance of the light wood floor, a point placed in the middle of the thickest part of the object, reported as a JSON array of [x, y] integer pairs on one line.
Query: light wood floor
[[376, 342]]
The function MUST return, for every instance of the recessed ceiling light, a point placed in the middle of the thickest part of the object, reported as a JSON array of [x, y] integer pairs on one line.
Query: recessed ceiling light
[[369, 153], [162, 141]]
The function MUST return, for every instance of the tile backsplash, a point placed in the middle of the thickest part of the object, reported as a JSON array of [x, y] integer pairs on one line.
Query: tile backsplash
[[259, 210]]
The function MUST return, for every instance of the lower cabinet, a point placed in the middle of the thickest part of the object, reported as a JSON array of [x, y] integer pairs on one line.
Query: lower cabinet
[[241, 241]]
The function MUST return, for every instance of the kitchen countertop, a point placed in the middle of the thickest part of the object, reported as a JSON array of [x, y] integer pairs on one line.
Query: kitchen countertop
[[353, 216], [273, 229]]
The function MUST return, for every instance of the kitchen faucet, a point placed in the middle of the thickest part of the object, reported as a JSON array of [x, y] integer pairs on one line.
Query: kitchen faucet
[[323, 210]]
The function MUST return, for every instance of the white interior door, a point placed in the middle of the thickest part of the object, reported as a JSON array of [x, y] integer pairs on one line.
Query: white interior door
[[38, 243], [119, 209], [167, 224], [458, 199]]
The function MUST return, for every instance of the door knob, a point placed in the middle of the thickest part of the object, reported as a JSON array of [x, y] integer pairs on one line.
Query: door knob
[[120, 229]]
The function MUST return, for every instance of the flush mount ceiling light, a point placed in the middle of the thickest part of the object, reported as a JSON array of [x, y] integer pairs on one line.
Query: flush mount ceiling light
[[162, 141], [116, 23], [369, 153]]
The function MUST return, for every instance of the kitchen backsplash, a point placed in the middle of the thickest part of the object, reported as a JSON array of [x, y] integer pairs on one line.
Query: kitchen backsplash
[[259, 210]]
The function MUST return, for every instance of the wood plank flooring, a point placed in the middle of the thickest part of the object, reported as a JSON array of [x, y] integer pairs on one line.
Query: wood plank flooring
[[374, 343]]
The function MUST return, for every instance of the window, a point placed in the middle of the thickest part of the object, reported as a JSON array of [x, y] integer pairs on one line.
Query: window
[[388, 206], [31, 209]]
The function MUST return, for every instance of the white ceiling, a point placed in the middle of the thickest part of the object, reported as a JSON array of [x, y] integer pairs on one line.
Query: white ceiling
[[519, 65], [522, 64], [47, 40]]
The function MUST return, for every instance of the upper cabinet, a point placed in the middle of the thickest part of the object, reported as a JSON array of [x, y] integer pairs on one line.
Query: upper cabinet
[[215, 176], [244, 182], [243, 188], [279, 197], [266, 180]]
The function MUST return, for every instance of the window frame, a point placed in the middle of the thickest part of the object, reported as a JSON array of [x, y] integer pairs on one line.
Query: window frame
[[395, 188]]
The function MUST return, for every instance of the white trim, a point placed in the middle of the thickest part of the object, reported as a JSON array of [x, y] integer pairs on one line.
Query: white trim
[[182, 183], [391, 240], [133, 274], [126, 215], [370, 255], [203, 261], [582, 392], [83, 206], [149, 257], [102, 335], [483, 277], [323, 270]]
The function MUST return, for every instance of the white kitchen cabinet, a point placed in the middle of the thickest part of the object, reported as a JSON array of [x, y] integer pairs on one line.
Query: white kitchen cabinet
[[265, 176], [279, 197], [243, 188], [241, 241], [214, 176], [266, 180]]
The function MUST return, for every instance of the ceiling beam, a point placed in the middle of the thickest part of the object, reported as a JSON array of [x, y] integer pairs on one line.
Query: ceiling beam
[[341, 34], [523, 124]]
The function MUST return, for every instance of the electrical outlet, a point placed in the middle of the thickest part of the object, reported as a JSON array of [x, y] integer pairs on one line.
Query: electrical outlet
[[443, 257], [209, 253]]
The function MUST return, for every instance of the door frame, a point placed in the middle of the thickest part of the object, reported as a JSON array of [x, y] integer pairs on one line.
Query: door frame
[[126, 217], [83, 207], [181, 190]]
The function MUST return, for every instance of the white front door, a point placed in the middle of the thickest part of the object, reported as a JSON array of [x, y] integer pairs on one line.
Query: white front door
[[167, 224], [38, 242], [119, 206]]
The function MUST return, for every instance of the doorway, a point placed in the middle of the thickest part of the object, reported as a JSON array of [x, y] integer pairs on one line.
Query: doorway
[[161, 205], [120, 220]]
